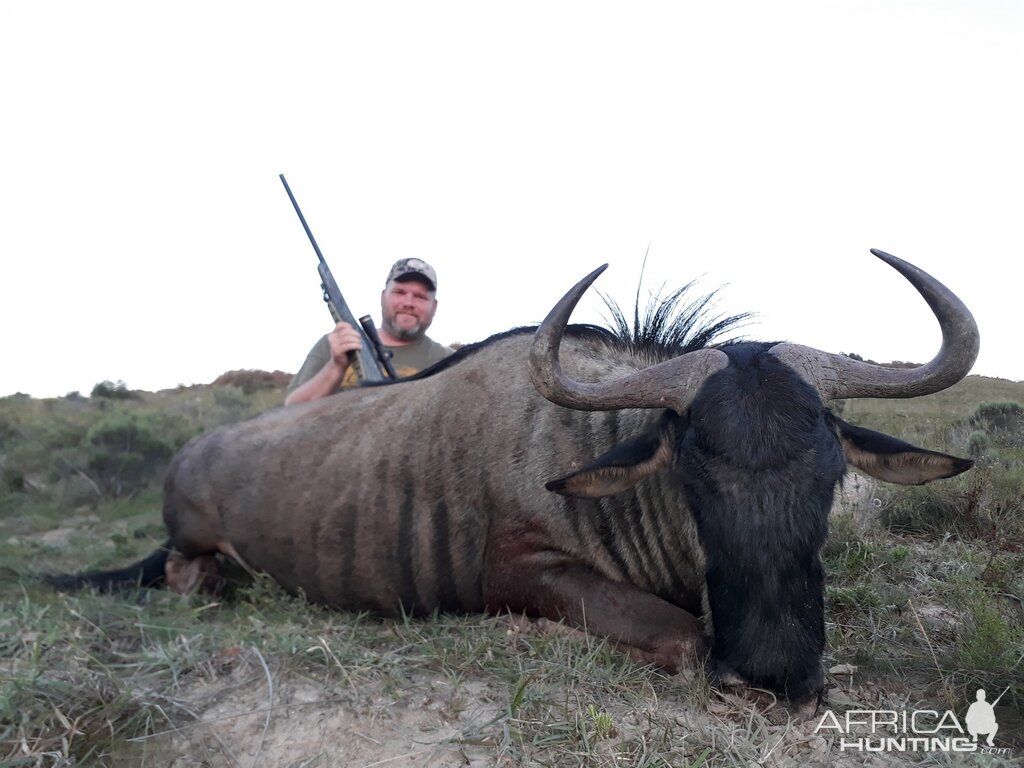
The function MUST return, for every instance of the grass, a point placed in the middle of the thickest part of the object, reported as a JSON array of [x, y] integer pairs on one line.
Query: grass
[[924, 604], [99, 678]]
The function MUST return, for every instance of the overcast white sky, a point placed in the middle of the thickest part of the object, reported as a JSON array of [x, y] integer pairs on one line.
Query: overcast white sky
[[764, 147]]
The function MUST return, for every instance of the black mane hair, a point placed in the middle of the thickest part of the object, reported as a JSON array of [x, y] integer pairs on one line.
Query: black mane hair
[[673, 325], [668, 327], [459, 355]]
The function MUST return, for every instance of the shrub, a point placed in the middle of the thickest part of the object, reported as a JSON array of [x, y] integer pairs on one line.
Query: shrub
[[11, 479], [126, 453], [9, 429], [113, 391], [250, 381], [978, 444], [987, 642], [233, 401], [1008, 416]]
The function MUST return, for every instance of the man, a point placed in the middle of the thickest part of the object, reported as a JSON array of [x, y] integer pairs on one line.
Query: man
[[407, 304]]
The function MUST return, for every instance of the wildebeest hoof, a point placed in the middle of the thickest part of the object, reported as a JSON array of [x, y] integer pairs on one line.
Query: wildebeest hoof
[[805, 710], [729, 680], [186, 576]]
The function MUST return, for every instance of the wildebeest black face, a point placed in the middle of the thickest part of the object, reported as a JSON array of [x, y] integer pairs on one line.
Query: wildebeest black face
[[759, 462], [757, 457]]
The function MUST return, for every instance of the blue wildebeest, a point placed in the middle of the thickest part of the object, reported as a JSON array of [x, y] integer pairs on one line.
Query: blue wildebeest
[[675, 503]]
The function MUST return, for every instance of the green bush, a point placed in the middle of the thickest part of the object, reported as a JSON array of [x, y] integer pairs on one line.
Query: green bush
[[1005, 503], [9, 429], [233, 402], [113, 391], [987, 641], [978, 444], [11, 479], [999, 416], [126, 452], [250, 381]]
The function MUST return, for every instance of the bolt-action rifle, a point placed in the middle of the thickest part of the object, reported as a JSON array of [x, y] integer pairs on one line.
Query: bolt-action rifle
[[373, 356]]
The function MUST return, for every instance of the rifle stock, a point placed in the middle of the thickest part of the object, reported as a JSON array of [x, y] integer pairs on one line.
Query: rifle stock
[[365, 359]]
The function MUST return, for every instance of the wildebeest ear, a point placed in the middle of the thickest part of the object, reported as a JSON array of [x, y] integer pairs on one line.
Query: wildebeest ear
[[619, 469], [893, 460]]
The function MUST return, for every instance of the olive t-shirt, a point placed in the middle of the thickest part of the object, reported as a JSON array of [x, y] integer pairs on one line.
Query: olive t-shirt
[[407, 360]]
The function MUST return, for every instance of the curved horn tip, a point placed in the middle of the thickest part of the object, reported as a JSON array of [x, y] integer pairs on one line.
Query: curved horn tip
[[888, 258], [545, 370], [595, 274], [576, 292], [910, 271]]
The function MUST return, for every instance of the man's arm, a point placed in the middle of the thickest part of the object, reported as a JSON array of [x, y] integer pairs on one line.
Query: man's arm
[[326, 380]]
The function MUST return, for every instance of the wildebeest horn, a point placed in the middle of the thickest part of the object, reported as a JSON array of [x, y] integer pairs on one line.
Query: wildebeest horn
[[838, 376], [671, 384]]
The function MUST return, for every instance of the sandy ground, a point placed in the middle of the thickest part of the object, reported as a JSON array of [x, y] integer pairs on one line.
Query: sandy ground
[[251, 716]]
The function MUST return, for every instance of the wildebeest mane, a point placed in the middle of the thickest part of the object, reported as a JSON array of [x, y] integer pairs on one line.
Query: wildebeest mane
[[668, 327], [454, 359], [673, 325]]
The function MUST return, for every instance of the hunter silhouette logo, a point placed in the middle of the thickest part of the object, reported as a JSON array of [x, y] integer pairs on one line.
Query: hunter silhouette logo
[[919, 730], [981, 717]]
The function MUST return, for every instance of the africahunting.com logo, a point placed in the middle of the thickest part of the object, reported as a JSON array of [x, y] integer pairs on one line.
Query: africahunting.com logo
[[919, 730]]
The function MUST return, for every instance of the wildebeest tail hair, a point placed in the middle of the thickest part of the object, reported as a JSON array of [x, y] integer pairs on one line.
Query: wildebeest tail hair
[[147, 572]]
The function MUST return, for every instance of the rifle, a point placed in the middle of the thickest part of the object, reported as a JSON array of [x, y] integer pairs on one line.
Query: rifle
[[372, 357]]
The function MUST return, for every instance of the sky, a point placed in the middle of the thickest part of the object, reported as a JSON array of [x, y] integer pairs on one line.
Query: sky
[[759, 148]]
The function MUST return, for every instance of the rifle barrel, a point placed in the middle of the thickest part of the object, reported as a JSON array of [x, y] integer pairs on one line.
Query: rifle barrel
[[366, 358], [305, 226]]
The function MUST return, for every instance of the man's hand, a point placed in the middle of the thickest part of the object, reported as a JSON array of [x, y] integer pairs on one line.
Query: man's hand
[[344, 339]]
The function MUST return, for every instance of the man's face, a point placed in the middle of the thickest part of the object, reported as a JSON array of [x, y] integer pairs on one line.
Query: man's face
[[407, 308]]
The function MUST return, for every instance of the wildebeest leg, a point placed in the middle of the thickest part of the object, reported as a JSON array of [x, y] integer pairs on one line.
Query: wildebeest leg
[[652, 630]]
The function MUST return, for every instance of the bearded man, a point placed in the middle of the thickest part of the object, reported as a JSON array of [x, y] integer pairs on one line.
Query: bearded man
[[407, 304]]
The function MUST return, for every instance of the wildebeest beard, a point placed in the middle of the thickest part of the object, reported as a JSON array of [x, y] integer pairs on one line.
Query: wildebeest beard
[[759, 462]]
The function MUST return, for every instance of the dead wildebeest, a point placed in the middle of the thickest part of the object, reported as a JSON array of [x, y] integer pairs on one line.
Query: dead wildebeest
[[671, 502]]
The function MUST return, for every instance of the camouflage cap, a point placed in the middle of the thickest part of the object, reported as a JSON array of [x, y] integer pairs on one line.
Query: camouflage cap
[[417, 267]]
